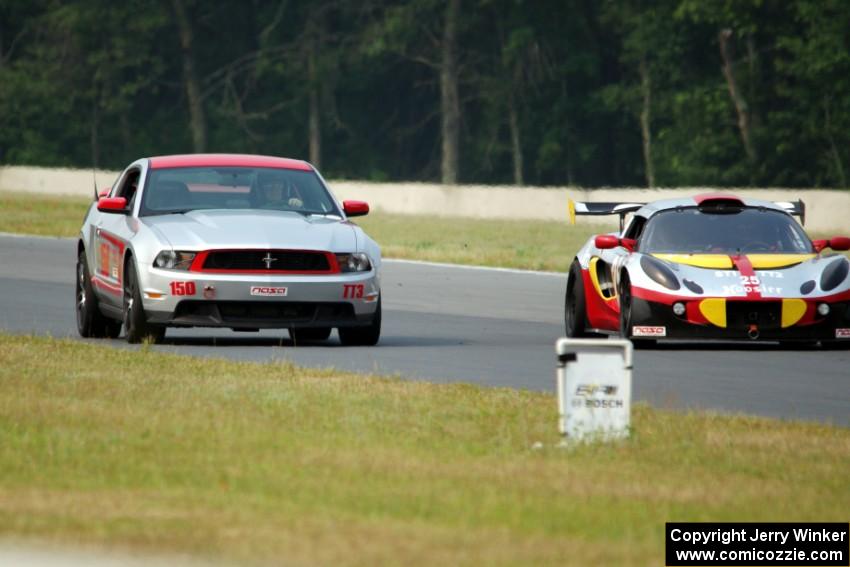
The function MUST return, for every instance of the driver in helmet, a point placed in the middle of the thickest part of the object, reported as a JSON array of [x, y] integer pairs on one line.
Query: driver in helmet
[[275, 193]]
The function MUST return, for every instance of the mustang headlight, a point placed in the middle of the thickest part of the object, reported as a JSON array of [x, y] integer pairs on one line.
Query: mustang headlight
[[174, 260], [357, 262]]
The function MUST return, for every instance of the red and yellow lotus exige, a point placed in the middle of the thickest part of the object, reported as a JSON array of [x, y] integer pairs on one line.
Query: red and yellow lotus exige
[[710, 267]]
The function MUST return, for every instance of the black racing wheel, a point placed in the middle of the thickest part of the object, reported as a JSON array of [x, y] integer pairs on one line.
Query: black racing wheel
[[308, 335], [575, 309], [363, 336], [625, 293], [136, 326], [91, 323]]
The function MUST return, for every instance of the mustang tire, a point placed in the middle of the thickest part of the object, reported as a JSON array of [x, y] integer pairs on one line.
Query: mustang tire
[[363, 336], [91, 323], [309, 335], [136, 325]]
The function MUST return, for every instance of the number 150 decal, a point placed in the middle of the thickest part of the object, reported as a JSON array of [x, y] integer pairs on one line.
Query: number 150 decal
[[183, 288]]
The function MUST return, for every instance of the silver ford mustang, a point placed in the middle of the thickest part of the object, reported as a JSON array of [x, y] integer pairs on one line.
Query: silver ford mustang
[[220, 240]]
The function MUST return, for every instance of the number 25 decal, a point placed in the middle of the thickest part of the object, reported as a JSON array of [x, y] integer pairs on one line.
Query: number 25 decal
[[182, 288], [352, 291]]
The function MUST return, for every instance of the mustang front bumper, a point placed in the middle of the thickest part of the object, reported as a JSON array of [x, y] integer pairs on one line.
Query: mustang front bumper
[[256, 301]]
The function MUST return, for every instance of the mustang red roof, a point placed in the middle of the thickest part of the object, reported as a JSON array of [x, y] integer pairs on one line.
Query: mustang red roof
[[227, 160]]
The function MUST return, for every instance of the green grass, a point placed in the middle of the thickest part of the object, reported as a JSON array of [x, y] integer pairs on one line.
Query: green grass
[[528, 245], [42, 215], [532, 245], [515, 244], [270, 463]]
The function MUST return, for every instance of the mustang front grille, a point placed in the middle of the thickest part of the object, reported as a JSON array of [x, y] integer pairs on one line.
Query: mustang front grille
[[266, 261]]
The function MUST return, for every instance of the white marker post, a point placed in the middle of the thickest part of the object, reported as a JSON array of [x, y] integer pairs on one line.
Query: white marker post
[[594, 388]]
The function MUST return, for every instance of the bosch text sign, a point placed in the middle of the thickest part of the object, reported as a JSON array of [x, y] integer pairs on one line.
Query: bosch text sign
[[594, 388]]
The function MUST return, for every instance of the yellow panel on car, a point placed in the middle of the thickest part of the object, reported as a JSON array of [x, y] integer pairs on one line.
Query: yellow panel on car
[[714, 310], [714, 261], [594, 276], [770, 261], [792, 311]]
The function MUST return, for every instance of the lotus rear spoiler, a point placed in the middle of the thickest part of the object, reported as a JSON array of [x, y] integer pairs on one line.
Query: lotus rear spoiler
[[796, 208], [600, 209]]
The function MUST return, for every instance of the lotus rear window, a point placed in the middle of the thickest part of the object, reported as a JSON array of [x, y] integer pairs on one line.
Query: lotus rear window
[[689, 230]]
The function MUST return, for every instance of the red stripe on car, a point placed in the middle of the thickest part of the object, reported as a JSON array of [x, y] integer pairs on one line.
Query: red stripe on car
[[110, 288], [703, 198], [227, 160], [749, 280]]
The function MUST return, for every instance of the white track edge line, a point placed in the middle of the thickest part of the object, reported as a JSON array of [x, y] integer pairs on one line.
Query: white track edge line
[[473, 267], [39, 236], [389, 260]]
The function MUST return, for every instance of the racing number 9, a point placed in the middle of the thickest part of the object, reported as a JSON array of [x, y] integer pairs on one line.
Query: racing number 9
[[182, 288]]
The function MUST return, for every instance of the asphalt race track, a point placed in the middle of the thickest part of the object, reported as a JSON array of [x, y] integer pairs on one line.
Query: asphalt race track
[[448, 323]]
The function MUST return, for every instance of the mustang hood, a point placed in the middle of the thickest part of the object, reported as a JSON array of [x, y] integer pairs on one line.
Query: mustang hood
[[207, 230]]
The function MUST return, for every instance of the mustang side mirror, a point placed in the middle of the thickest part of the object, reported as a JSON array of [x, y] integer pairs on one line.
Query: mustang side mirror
[[608, 241], [117, 205], [355, 208]]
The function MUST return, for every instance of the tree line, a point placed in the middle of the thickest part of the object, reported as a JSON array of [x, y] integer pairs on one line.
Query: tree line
[[570, 92]]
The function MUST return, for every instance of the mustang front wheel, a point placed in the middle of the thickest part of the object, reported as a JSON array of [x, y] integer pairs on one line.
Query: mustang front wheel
[[136, 325], [309, 335], [363, 336]]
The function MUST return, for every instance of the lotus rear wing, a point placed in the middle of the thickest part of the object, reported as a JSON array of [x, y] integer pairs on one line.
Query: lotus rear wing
[[600, 209], [796, 208]]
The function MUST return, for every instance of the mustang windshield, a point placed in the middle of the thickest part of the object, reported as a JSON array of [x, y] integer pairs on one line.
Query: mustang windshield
[[692, 230], [180, 190]]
